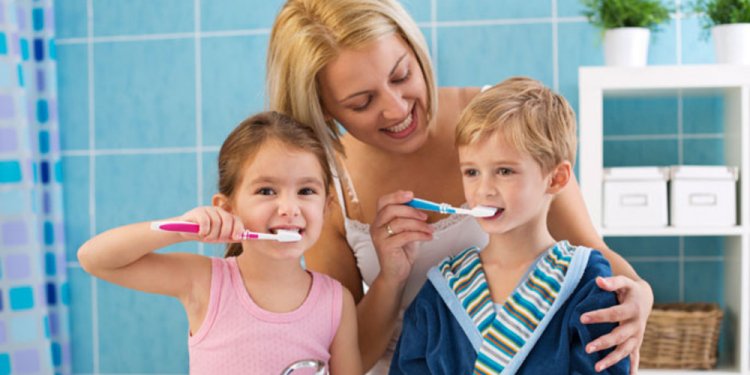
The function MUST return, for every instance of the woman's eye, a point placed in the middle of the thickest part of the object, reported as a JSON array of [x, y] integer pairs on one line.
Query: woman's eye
[[361, 107], [265, 191], [403, 77], [307, 191]]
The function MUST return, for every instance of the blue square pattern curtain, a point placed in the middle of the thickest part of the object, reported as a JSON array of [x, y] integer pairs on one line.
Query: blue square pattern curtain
[[34, 337]]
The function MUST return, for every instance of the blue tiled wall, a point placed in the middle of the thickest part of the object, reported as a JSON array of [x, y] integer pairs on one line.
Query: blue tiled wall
[[149, 89]]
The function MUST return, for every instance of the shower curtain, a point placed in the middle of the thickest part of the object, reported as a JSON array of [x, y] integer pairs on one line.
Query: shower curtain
[[34, 336]]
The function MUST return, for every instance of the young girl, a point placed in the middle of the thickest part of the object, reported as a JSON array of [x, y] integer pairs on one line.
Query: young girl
[[256, 311]]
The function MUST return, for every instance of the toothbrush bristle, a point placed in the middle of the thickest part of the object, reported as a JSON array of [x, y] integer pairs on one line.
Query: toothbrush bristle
[[287, 236], [483, 211]]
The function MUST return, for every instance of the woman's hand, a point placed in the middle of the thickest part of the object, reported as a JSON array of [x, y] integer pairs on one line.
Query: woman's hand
[[394, 232], [636, 300], [216, 225]]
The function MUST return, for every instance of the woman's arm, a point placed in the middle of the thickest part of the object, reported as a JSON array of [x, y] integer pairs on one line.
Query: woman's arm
[[569, 219], [345, 356]]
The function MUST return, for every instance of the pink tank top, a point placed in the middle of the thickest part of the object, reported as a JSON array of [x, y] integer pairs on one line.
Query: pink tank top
[[239, 337]]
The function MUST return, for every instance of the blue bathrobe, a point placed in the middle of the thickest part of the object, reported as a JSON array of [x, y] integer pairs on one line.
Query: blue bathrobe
[[444, 331]]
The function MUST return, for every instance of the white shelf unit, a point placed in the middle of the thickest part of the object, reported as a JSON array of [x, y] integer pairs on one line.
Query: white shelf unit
[[732, 82]]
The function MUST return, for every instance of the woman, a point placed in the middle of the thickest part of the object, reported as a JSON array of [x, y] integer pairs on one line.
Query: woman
[[363, 65]]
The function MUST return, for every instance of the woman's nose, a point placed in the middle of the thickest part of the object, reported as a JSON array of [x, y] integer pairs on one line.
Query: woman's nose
[[395, 106]]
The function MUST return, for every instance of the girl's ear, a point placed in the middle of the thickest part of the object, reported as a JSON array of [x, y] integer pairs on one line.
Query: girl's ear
[[559, 177], [221, 200]]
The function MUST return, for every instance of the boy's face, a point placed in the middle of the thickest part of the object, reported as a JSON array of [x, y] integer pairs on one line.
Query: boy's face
[[281, 188], [496, 174]]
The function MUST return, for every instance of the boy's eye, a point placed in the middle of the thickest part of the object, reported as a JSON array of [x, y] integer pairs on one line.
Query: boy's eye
[[504, 171], [471, 172], [265, 191], [307, 191]]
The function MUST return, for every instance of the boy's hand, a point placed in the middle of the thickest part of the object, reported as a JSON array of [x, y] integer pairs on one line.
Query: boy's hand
[[216, 225]]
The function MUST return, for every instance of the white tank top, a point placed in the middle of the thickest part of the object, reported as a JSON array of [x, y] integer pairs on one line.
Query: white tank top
[[452, 235]]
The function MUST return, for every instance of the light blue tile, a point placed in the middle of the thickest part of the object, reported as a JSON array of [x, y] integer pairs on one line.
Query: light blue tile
[[427, 33], [697, 46], [135, 321], [81, 329], [138, 17], [459, 10], [238, 14], [703, 152], [704, 246], [640, 153], [76, 203], [419, 10], [658, 247], [704, 281], [233, 72], [145, 94], [70, 19], [640, 116], [482, 55], [662, 46], [210, 176], [569, 8], [73, 96], [134, 188], [663, 277], [702, 114], [579, 44]]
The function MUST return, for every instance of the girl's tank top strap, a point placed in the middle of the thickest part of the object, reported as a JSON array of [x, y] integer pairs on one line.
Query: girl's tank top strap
[[219, 271]]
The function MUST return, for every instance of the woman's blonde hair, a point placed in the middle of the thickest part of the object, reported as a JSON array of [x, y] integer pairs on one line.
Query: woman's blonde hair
[[244, 142], [532, 118], [308, 34]]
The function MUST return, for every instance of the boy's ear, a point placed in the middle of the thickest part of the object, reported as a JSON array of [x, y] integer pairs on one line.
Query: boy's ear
[[559, 177], [221, 200]]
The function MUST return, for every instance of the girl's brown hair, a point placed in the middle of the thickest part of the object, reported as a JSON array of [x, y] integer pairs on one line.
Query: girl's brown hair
[[249, 136]]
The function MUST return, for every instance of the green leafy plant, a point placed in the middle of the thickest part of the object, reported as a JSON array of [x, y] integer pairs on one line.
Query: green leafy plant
[[721, 12], [611, 14]]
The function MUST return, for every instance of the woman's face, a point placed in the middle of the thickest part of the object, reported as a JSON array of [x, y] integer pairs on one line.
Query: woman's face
[[378, 94]]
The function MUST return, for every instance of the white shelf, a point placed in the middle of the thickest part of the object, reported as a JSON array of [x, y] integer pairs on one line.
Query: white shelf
[[732, 82]]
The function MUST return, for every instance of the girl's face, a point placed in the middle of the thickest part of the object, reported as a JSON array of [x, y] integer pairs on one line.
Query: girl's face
[[378, 94], [281, 188], [496, 174]]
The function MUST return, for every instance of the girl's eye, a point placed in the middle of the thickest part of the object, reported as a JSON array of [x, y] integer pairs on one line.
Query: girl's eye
[[471, 172], [307, 191], [265, 191]]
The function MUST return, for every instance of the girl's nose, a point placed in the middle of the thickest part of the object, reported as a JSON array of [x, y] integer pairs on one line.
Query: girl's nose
[[288, 207]]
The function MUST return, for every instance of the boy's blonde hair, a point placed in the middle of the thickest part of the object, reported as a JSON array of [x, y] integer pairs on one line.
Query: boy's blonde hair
[[531, 117], [308, 34]]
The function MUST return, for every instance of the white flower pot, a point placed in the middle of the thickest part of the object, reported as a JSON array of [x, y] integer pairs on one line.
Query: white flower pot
[[732, 42], [626, 46]]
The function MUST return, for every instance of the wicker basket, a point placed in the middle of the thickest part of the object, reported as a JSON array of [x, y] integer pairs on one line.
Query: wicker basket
[[681, 336]]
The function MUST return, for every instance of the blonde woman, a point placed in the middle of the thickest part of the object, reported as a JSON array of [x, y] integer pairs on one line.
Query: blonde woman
[[363, 65]]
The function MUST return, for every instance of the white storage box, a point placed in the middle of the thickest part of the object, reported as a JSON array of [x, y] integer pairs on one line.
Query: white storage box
[[703, 196], [635, 197]]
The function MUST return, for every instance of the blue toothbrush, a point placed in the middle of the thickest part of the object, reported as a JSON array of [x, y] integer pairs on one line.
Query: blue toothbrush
[[445, 208]]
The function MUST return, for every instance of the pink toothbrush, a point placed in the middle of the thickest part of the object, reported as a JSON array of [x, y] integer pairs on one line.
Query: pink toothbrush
[[188, 227]]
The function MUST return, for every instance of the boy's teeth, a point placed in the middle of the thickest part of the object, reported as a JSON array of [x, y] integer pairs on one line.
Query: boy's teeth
[[402, 126]]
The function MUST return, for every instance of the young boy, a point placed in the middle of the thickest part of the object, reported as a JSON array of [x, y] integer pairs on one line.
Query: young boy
[[515, 305]]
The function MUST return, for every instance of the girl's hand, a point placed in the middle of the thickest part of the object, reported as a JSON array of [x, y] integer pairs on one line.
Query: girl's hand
[[216, 225], [636, 300], [395, 231]]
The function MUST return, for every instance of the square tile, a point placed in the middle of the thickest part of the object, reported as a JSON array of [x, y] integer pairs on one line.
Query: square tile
[[485, 55], [702, 114], [76, 203], [663, 278], [703, 152], [704, 246], [210, 176], [458, 10], [697, 45], [243, 15], [704, 281], [419, 10], [138, 17], [81, 322], [73, 94], [652, 247], [233, 82], [71, 19], [145, 94], [640, 116], [640, 153], [122, 326], [579, 44]]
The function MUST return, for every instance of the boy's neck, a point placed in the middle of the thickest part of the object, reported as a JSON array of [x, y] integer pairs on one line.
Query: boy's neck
[[518, 248]]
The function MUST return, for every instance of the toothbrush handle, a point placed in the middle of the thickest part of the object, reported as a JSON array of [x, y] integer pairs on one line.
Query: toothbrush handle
[[422, 204], [175, 226]]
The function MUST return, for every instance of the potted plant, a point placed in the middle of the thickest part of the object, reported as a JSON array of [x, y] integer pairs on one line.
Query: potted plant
[[627, 25], [729, 22]]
